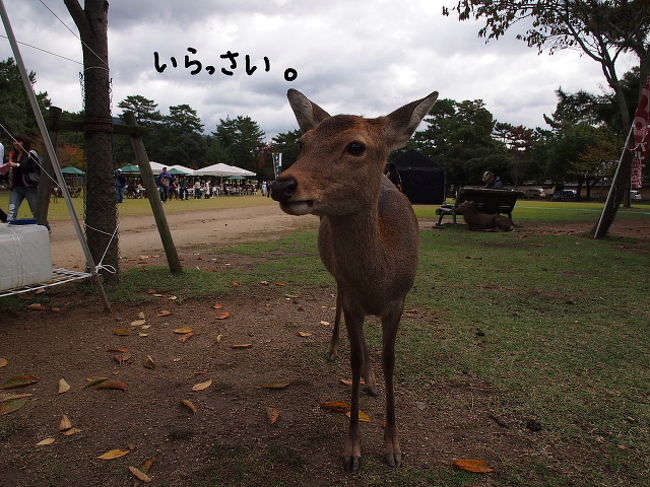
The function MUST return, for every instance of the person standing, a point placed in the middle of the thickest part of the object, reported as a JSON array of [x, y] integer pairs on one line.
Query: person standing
[[164, 180], [120, 186], [25, 174]]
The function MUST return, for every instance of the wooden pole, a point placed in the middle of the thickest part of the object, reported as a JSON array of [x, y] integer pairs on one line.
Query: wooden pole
[[154, 200], [46, 183]]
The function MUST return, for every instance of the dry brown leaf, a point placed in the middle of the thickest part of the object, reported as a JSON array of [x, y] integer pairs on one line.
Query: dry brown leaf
[[186, 337], [46, 442], [3, 362], [184, 330], [189, 405], [242, 345], [93, 381], [202, 386], [72, 431], [149, 362], [151, 291], [140, 475], [475, 466], [338, 406], [234, 284], [113, 454], [325, 323], [121, 332], [138, 322], [223, 315], [217, 306], [65, 423], [273, 415], [162, 313], [37, 307], [304, 334], [63, 386], [145, 327], [10, 397], [11, 405], [19, 381], [143, 334], [348, 382], [119, 350], [277, 385], [411, 311], [120, 358], [113, 384], [173, 298], [280, 283], [141, 315], [363, 416]]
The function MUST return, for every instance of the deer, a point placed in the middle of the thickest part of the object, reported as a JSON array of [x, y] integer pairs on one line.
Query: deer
[[367, 238], [486, 222]]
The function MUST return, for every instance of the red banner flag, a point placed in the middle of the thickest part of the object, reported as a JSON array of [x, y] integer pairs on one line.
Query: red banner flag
[[641, 137]]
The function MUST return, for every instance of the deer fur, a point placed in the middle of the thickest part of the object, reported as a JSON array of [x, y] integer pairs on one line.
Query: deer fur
[[484, 221], [368, 236]]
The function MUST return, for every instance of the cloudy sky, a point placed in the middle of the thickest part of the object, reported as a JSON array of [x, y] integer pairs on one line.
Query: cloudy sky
[[351, 56]]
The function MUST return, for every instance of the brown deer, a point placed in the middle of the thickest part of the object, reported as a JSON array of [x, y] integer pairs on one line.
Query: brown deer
[[368, 236], [486, 222]]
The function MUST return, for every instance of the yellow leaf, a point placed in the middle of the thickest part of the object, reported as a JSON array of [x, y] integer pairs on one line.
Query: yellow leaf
[[273, 415], [189, 405], [122, 332], [112, 384], [10, 397], [201, 386], [46, 442], [325, 323], [141, 315], [363, 416], [149, 362], [234, 284], [113, 454], [338, 406], [173, 298], [3, 362], [93, 381], [19, 381], [304, 334], [65, 423], [277, 385], [139, 474], [138, 322], [280, 283], [11, 405], [72, 431], [476, 466], [184, 330]]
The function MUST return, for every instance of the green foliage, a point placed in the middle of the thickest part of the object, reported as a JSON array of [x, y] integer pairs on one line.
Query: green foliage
[[242, 137], [287, 143]]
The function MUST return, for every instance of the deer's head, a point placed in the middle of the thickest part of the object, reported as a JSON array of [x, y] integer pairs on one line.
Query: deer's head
[[342, 158]]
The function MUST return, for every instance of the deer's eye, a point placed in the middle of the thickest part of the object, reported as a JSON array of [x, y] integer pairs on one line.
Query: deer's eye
[[356, 148]]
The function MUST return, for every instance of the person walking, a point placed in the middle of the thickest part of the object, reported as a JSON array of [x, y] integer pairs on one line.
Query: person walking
[[164, 181], [25, 174], [120, 186]]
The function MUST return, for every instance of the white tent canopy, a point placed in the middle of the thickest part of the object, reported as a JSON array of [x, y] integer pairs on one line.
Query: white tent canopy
[[224, 170], [180, 168]]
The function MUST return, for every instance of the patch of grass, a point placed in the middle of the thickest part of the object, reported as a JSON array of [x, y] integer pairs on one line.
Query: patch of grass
[[8, 428], [180, 435], [282, 455]]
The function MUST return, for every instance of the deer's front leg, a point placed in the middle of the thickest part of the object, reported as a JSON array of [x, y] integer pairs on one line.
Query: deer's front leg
[[354, 324], [334, 341], [390, 323]]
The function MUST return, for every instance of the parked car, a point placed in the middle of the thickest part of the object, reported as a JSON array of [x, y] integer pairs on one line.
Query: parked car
[[565, 195], [635, 195], [535, 193]]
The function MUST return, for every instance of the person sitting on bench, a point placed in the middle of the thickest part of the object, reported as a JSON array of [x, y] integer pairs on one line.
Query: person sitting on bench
[[492, 181]]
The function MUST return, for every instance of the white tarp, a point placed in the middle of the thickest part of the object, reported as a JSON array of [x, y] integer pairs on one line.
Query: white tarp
[[224, 170]]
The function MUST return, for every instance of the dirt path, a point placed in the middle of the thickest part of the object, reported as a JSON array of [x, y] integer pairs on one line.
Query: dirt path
[[138, 234]]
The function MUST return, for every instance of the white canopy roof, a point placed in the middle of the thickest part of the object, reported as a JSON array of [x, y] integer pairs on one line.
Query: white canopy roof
[[221, 169], [184, 169]]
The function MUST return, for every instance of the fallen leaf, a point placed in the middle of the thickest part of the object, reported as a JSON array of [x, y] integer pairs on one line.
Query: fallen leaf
[[173, 298], [138, 322], [72, 431], [37, 307], [11, 405], [113, 454], [189, 405], [280, 283], [273, 415], [348, 382], [46, 442], [120, 358], [65, 423], [202, 386], [218, 339], [139, 474], [266, 283], [164, 312], [223, 316], [300, 308], [277, 385], [63, 386], [145, 327], [3, 362], [184, 330], [338, 406], [121, 332], [113, 384], [242, 345], [217, 306], [411, 311], [363, 416], [325, 323], [151, 291], [141, 315], [10, 397], [93, 381], [186, 337], [119, 350], [476, 466], [304, 334], [234, 284], [19, 381], [149, 362], [291, 296]]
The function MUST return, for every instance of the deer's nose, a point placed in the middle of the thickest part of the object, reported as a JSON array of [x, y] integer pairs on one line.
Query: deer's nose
[[283, 190]]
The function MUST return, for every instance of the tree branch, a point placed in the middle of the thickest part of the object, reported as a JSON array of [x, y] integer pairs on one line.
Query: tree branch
[[79, 17]]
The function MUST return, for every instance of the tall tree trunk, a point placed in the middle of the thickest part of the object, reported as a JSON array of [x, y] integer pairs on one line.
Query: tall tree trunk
[[101, 208]]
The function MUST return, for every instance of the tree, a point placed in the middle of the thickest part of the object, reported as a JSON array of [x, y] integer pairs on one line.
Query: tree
[[242, 137], [145, 110], [101, 209], [287, 144], [17, 115], [519, 141], [597, 161]]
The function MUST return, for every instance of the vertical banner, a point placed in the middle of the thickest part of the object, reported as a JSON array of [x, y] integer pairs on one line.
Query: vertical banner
[[277, 163], [641, 139]]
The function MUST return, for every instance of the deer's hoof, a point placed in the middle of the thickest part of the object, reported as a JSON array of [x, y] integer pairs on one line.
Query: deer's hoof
[[393, 459], [331, 356], [371, 391], [352, 464]]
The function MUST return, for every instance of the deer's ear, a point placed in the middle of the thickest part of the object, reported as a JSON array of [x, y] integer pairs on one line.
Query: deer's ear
[[402, 122], [307, 112]]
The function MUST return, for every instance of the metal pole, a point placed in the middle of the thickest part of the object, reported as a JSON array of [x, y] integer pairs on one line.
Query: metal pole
[[52, 153]]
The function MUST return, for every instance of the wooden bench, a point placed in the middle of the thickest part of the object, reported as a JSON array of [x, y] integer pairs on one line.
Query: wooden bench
[[501, 201]]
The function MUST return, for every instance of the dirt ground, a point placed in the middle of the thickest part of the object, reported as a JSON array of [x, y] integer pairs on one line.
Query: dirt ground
[[230, 428]]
